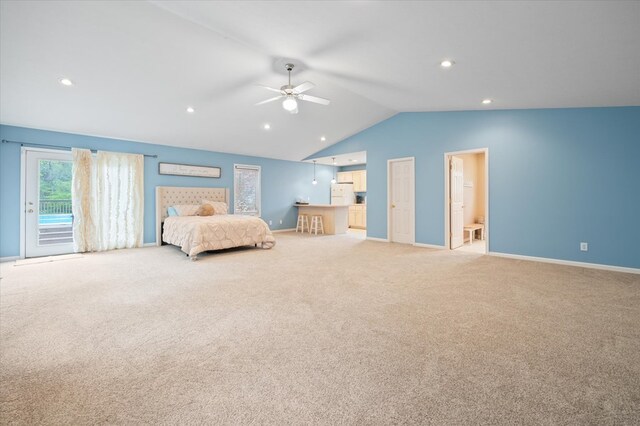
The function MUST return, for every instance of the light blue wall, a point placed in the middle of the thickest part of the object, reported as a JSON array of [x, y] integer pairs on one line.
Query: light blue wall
[[556, 177], [352, 168], [282, 181]]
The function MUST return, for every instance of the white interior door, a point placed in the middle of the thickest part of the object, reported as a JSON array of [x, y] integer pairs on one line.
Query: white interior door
[[401, 197], [456, 197], [48, 219]]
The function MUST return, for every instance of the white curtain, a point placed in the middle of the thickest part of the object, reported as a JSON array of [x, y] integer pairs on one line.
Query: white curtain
[[108, 200], [82, 200]]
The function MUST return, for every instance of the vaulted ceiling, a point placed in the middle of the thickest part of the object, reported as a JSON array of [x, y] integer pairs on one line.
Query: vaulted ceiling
[[137, 66]]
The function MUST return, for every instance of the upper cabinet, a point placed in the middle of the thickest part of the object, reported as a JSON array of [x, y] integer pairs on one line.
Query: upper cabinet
[[357, 177], [345, 177], [360, 181]]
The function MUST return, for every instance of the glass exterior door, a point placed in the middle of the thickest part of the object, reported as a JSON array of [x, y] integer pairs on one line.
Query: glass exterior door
[[48, 217]]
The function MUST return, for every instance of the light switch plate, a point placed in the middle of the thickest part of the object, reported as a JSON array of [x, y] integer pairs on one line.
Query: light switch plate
[[584, 247]]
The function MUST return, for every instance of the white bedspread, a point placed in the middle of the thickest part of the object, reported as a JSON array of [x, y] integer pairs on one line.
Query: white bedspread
[[195, 234]]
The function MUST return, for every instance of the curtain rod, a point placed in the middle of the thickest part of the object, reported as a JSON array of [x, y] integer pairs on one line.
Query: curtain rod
[[57, 146]]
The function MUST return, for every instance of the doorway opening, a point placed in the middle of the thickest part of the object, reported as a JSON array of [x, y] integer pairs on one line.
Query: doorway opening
[[47, 219], [401, 200], [467, 200]]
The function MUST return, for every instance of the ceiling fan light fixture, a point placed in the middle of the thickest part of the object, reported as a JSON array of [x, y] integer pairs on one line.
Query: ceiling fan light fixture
[[290, 104], [290, 95]]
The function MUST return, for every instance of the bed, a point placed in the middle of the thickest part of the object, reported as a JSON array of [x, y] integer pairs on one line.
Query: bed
[[195, 234]]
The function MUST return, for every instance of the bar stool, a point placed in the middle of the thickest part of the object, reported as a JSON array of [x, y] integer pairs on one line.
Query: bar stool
[[316, 224], [303, 220]]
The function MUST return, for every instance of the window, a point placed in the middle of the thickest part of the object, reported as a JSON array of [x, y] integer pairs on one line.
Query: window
[[246, 189]]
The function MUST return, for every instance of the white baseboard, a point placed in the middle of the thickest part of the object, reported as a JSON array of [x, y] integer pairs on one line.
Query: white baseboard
[[431, 246], [283, 230], [385, 240], [382, 240], [9, 258], [153, 244], [567, 262]]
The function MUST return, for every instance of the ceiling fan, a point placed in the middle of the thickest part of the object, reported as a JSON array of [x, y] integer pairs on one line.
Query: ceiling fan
[[291, 95]]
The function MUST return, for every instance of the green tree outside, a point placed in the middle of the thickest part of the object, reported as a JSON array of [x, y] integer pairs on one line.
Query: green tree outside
[[55, 184]]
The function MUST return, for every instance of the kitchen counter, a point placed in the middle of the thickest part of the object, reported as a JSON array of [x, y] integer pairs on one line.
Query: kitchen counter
[[335, 218]]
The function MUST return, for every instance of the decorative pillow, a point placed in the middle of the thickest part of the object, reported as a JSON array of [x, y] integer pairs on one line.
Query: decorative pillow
[[218, 206], [205, 210], [172, 211], [186, 209]]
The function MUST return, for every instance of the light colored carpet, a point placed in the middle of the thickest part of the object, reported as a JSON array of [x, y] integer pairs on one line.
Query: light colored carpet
[[46, 259], [318, 330]]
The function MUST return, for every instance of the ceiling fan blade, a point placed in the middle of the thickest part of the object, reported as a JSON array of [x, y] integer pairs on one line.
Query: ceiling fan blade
[[314, 99], [303, 87], [269, 100], [270, 88]]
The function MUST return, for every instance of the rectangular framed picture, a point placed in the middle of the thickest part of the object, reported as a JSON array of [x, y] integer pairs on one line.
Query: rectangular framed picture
[[189, 170]]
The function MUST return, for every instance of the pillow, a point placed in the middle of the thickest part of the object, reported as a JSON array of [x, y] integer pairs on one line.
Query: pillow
[[172, 211], [218, 206], [186, 209], [205, 210]]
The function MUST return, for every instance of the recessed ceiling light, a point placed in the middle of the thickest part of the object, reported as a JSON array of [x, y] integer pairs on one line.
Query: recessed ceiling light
[[66, 82], [266, 126], [190, 110], [353, 161], [322, 138], [447, 63], [486, 101]]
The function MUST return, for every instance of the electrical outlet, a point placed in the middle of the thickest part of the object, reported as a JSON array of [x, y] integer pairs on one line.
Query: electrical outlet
[[280, 221], [270, 222], [584, 247]]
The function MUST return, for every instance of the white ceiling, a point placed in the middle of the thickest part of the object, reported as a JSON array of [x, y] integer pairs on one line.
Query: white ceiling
[[138, 65], [350, 159]]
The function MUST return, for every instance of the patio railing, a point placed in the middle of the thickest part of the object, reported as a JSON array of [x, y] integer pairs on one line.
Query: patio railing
[[55, 206]]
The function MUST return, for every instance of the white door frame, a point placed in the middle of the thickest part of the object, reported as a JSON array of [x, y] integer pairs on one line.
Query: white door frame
[[23, 190], [413, 198], [447, 190]]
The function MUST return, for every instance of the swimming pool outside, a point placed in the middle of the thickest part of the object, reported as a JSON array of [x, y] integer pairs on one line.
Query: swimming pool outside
[[55, 219]]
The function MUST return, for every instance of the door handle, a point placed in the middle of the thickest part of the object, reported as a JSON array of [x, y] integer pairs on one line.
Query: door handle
[[30, 211], [393, 206]]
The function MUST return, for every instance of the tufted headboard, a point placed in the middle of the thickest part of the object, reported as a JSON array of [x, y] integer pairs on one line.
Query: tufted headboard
[[167, 196]]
